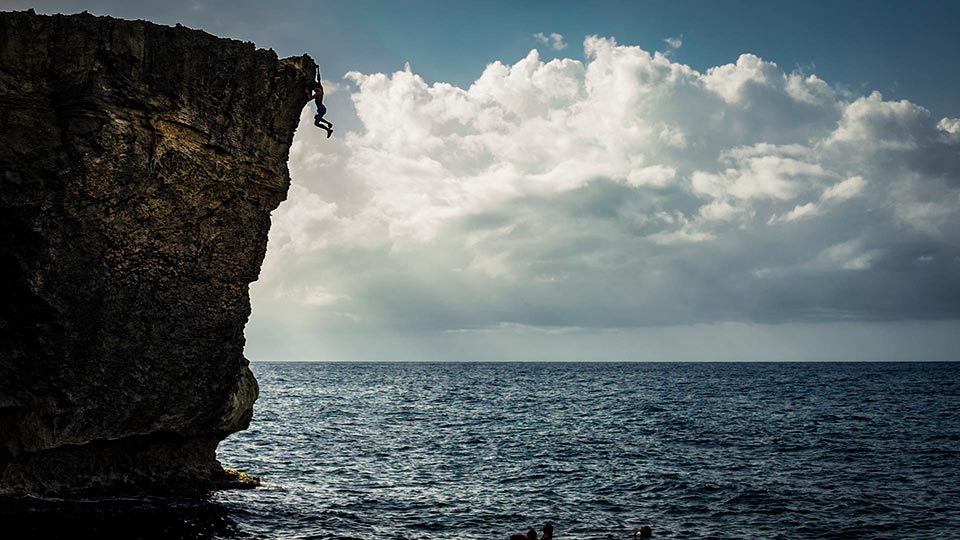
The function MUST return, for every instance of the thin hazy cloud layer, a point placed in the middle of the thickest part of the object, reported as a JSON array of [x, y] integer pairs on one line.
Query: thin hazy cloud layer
[[625, 191]]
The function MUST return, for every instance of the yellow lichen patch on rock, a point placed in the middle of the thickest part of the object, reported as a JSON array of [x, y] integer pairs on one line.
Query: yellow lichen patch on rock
[[242, 479]]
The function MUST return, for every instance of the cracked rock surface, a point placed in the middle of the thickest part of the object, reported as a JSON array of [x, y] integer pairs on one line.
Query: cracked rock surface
[[139, 165]]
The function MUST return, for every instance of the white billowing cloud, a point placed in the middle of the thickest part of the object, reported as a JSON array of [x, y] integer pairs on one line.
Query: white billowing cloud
[[617, 192], [950, 125], [842, 191], [654, 176], [305, 226], [710, 185], [847, 189], [719, 210], [891, 125], [554, 41], [810, 89], [771, 176], [732, 82], [800, 211]]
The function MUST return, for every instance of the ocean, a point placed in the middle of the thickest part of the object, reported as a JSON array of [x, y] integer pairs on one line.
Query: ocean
[[484, 450]]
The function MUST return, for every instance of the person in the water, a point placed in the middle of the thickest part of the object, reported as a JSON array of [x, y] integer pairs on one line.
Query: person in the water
[[531, 535], [644, 532], [547, 532], [318, 120]]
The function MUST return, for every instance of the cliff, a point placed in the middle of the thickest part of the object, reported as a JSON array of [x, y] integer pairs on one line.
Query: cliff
[[139, 165]]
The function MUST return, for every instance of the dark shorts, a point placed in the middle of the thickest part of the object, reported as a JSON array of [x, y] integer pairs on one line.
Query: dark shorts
[[321, 110]]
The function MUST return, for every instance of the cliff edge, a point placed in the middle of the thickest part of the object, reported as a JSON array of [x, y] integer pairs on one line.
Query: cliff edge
[[139, 165]]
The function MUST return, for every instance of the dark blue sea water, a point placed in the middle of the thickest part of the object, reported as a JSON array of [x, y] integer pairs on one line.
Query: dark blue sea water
[[470, 451]]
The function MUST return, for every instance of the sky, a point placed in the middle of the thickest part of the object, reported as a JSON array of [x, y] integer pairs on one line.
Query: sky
[[610, 180]]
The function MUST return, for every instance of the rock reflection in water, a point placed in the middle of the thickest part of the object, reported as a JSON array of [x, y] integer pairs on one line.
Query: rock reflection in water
[[118, 518]]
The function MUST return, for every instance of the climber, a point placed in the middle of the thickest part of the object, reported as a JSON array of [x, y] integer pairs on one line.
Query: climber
[[317, 96]]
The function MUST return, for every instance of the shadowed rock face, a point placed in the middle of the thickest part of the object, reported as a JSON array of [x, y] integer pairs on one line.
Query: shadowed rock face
[[138, 168]]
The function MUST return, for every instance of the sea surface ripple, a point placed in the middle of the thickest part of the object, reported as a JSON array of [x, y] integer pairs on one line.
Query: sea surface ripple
[[481, 450]]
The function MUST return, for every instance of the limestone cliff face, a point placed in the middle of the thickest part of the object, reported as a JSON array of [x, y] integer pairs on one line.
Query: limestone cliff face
[[139, 165]]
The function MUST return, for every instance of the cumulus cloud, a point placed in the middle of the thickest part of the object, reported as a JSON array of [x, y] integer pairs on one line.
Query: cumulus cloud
[[554, 41], [847, 189], [621, 191], [950, 125]]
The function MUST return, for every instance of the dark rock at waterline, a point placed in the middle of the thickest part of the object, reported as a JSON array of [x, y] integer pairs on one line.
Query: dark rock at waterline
[[139, 165]]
